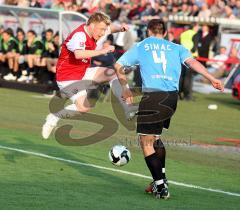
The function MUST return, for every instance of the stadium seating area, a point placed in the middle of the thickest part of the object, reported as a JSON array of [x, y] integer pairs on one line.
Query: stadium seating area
[[26, 58], [133, 9]]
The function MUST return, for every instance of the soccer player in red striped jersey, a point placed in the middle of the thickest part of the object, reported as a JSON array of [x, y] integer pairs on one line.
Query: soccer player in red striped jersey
[[74, 74]]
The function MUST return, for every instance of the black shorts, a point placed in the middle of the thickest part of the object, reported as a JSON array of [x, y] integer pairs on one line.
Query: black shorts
[[155, 111]]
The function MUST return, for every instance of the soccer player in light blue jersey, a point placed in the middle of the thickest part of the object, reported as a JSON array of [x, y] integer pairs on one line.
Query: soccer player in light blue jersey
[[160, 67]]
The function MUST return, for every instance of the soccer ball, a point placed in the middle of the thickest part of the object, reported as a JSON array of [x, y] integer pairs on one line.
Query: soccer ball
[[119, 155]]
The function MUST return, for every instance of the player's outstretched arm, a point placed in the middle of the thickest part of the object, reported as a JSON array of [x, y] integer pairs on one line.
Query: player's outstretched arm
[[199, 68], [119, 28], [81, 54], [126, 92]]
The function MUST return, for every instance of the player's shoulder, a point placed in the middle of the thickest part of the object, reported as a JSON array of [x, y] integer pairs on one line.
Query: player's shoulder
[[80, 32], [160, 41], [176, 46], [79, 28]]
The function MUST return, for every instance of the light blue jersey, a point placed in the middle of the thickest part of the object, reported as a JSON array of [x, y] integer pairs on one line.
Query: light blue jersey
[[160, 63]]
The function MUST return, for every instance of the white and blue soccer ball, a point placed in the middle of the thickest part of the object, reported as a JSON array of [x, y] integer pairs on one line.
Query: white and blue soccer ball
[[119, 155]]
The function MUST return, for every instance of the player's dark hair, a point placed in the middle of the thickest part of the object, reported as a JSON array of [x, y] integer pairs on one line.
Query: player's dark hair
[[156, 26], [49, 31], [32, 32], [56, 34], [19, 29], [9, 31]]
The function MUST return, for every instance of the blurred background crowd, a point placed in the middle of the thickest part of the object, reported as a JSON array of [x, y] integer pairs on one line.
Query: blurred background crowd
[[26, 56], [132, 9]]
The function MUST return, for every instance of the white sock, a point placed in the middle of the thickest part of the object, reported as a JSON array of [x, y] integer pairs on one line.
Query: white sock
[[67, 112], [159, 182]]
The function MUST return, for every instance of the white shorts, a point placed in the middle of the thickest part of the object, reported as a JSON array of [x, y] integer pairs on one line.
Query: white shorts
[[73, 89]]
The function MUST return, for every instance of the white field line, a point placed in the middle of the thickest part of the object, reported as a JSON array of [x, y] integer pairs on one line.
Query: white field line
[[115, 170]]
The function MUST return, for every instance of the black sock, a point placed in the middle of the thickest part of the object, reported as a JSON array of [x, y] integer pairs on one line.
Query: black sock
[[36, 70], [161, 152], [18, 73], [30, 71], [12, 72], [154, 164]]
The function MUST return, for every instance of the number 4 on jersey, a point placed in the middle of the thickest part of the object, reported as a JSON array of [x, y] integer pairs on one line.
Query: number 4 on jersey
[[162, 59]]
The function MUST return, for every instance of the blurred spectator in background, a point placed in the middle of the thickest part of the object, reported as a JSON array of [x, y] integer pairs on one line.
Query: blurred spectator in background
[[164, 12], [184, 10], [195, 10], [47, 4], [52, 61], [228, 13], [35, 49], [174, 10], [50, 51], [231, 3], [153, 12], [171, 37], [199, 3], [186, 79], [236, 9], [205, 12], [203, 40], [187, 39], [137, 10], [9, 49], [23, 3], [233, 59], [218, 8], [35, 3], [125, 9], [19, 61], [58, 5], [11, 2], [217, 66], [1, 31]]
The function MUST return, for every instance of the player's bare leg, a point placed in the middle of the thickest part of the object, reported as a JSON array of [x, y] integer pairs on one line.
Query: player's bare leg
[[10, 59], [16, 63]]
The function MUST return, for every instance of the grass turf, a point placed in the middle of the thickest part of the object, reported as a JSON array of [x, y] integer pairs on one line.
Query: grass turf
[[29, 182]]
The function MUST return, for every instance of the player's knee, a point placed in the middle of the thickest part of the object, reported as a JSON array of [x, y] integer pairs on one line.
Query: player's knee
[[158, 144], [83, 109]]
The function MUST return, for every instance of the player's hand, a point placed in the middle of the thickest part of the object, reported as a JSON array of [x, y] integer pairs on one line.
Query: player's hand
[[217, 84], [124, 27], [51, 46], [108, 49], [127, 96]]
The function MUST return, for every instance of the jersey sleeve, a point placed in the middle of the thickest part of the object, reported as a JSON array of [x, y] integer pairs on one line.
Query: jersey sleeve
[[130, 57], [184, 54], [77, 42]]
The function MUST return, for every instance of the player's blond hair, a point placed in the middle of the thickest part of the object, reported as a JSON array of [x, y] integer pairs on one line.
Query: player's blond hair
[[99, 17]]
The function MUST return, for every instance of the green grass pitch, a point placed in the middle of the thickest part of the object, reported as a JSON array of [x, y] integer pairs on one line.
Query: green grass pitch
[[31, 182]]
